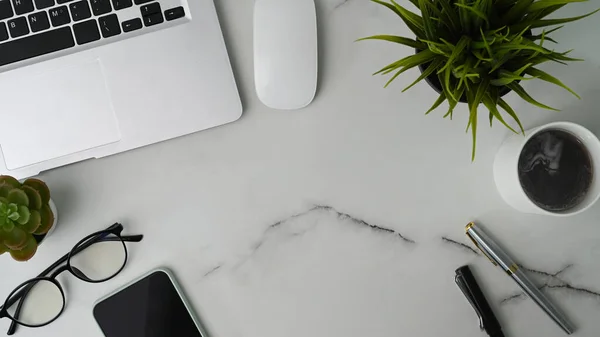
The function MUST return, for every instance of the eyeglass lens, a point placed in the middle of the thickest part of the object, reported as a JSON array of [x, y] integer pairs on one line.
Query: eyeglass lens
[[43, 302], [101, 260]]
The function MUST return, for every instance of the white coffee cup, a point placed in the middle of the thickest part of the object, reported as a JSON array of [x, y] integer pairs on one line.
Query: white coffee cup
[[506, 173]]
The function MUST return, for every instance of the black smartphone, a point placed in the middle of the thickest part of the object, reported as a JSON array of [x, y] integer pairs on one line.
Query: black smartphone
[[151, 306]]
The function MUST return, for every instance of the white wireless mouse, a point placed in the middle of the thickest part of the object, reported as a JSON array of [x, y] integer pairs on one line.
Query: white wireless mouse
[[285, 52]]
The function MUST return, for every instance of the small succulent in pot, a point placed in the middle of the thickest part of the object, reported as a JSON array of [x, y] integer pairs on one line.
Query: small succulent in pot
[[24, 213], [475, 51]]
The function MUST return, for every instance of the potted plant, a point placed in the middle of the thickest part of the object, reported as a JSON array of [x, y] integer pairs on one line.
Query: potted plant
[[26, 216], [476, 51]]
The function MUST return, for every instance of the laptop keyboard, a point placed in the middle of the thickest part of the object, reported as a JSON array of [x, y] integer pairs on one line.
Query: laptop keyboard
[[31, 28]]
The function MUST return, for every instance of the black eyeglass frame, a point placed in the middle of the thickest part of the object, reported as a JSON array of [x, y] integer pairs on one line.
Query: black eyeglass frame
[[20, 291]]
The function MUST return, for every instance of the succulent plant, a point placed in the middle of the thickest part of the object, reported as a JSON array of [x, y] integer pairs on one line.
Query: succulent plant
[[24, 212], [479, 50]]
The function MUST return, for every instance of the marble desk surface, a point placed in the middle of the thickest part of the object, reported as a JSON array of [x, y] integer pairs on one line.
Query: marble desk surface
[[345, 218]]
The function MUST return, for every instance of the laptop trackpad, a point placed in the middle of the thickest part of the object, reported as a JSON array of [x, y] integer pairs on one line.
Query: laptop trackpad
[[55, 114]]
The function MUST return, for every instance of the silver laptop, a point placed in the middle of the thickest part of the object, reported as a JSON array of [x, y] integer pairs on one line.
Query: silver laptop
[[84, 79]]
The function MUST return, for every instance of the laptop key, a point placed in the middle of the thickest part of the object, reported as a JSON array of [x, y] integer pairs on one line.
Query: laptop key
[[130, 25], [4, 32], [41, 4], [63, 1], [120, 4], [150, 9], [36, 45], [153, 19], [59, 16], [109, 25], [38, 21], [80, 10], [18, 27], [100, 7], [6, 10], [174, 13], [139, 2], [23, 6], [86, 32]]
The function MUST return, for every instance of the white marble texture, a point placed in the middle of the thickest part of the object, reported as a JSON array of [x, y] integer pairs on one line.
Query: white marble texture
[[339, 219]]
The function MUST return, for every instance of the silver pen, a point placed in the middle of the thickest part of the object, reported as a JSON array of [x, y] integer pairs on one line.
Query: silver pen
[[498, 257]]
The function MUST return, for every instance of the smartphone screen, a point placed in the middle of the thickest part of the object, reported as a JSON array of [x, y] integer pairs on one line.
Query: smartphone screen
[[151, 307]]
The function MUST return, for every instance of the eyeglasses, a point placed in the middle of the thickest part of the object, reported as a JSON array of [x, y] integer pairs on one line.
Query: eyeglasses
[[96, 258]]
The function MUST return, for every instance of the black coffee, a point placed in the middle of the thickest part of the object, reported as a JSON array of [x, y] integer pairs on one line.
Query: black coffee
[[555, 170]]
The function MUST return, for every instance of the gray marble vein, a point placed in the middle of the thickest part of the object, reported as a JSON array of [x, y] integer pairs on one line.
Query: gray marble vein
[[579, 290], [340, 4], [551, 280], [341, 216], [554, 282], [325, 208], [212, 270], [460, 245]]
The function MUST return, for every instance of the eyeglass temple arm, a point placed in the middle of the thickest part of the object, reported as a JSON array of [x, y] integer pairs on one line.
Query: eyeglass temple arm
[[132, 238], [13, 326], [20, 293]]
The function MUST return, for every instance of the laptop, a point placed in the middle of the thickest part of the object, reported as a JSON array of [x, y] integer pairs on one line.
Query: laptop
[[83, 79]]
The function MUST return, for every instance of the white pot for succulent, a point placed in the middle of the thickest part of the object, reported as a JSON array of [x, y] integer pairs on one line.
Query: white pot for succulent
[[55, 212]]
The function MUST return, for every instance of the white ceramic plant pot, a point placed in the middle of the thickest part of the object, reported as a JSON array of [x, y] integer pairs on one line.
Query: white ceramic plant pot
[[55, 212], [506, 173]]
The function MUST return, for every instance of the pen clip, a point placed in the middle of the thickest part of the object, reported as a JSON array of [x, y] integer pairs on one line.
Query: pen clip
[[462, 285], [477, 245]]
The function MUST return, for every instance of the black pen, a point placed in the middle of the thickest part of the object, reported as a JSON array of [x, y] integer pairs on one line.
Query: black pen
[[467, 284]]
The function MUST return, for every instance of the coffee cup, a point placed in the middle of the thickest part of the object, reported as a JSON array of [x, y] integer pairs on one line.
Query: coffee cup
[[531, 182]]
